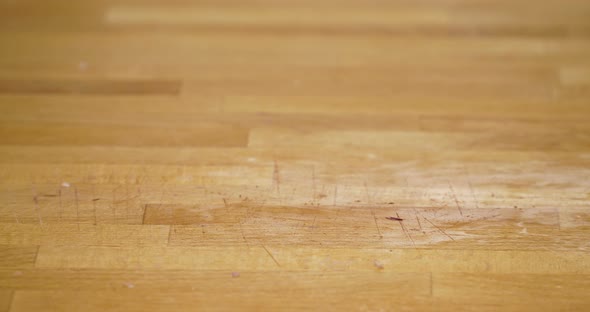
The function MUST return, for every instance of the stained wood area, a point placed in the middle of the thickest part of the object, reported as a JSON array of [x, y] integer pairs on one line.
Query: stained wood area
[[266, 155]]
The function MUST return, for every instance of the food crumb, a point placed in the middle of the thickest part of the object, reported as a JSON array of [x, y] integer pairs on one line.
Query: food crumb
[[235, 274], [129, 285], [65, 184], [378, 264]]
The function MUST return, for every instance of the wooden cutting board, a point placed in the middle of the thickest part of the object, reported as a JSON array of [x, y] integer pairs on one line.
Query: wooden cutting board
[[270, 155]]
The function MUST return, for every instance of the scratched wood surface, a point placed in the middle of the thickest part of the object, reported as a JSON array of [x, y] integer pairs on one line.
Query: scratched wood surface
[[265, 155]]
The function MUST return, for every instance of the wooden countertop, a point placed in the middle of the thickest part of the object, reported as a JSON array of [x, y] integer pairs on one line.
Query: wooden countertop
[[271, 155]]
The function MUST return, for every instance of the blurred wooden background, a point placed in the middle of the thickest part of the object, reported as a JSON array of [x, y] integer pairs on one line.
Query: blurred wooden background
[[266, 155]]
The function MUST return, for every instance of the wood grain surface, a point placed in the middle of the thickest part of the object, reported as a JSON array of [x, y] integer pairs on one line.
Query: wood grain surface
[[267, 155]]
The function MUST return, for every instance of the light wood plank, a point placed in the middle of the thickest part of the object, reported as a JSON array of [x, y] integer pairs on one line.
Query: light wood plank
[[85, 235], [5, 299], [285, 291], [89, 87], [197, 281], [19, 257], [51, 134], [273, 257], [557, 291]]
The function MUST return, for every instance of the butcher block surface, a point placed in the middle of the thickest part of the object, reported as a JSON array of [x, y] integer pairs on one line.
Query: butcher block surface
[[268, 155]]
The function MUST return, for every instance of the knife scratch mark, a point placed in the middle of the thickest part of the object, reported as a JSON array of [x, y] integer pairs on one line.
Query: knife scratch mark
[[36, 201], [438, 228], [335, 194], [455, 197], [473, 195], [273, 258], [404, 229], [276, 178], [77, 207]]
